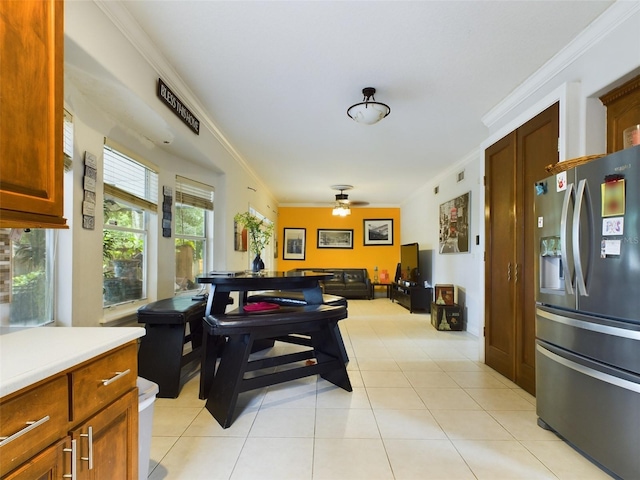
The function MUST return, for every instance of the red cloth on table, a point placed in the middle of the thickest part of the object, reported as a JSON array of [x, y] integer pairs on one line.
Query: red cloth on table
[[260, 306]]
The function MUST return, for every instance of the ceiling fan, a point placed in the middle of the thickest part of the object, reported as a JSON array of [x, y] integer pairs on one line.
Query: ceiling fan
[[342, 205]]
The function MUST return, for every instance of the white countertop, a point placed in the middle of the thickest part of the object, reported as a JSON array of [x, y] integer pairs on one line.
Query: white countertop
[[33, 354]]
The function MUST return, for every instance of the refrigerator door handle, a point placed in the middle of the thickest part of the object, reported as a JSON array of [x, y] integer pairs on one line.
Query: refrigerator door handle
[[598, 375], [568, 280], [581, 192]]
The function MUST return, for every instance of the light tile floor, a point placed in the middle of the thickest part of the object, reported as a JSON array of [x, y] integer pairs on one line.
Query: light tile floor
[[422, 407]]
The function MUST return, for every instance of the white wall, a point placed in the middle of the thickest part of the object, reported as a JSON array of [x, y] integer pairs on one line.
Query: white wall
[[604, 56], [420, 223], [99, 58]]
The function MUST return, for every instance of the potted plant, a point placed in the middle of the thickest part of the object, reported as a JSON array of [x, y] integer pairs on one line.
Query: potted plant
[[260, 231]]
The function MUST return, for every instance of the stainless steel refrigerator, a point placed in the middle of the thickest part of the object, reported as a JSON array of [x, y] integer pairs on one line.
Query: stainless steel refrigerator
[[588, 309]]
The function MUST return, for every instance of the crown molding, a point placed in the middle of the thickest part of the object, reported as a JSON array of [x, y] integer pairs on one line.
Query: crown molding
[[127, 25], [621, 91], [611, 18]]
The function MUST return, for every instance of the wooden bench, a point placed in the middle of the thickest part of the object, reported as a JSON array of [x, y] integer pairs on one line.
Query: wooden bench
[[232, 336], [289, 298], [162, 354]]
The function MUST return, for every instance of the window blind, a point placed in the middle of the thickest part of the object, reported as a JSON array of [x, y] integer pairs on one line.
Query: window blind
[[67, 140], [195, 194], [129, 180]]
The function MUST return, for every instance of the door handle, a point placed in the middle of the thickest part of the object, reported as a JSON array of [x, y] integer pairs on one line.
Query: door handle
[[509, 272], [89, 436], [582, 192], [31, 425], [71, 450], [517, 267], [568, 280], [117, 376]]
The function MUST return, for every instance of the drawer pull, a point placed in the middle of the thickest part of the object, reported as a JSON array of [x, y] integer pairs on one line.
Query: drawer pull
[[30, 426], [116, 377], [71, 475], [89, 436]]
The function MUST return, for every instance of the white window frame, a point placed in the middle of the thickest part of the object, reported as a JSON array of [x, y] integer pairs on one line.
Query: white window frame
[[133, 194], [199, 195]]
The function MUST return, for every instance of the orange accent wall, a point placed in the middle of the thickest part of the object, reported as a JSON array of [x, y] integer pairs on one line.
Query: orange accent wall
[[385, 257]]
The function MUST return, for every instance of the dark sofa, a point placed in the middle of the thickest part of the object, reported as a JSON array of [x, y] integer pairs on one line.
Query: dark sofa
[[346, 282]]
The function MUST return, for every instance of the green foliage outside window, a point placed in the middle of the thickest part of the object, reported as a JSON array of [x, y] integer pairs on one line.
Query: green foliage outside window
[[190, 231], [123, 247], [31, 301]]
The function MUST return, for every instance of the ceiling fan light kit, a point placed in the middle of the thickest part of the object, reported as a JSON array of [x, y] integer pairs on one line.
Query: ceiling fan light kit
[[368, 111], [341, 207], [341, 210]]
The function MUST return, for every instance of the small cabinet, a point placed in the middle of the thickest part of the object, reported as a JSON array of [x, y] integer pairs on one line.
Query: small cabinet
[[31, 158], [52, 463], [104, 441], [88, 413], [412, 298], [623, 111], [105, 410], [31, 421]]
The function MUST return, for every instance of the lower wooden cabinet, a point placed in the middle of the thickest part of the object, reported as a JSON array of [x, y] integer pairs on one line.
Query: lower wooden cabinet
[[104, 441], [88, 413], [30, 421], [52, 463]]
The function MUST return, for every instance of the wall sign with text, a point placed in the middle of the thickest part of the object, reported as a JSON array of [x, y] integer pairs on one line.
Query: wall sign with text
[[173, 102]]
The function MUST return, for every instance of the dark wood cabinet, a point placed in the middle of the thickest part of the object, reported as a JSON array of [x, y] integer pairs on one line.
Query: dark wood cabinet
[[623, 111], [412, 298], [512, 165]]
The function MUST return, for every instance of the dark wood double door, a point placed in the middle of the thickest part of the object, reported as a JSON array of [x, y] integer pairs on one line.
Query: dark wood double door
[[512, 166]]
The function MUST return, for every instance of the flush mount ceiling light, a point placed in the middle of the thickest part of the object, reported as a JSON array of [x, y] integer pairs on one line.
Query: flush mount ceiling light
[[341, 206], [368, 111]]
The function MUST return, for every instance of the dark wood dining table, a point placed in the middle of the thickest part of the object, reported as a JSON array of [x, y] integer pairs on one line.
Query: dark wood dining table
[[222, 284]]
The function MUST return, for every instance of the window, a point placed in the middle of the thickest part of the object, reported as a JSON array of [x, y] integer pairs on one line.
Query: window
[[193, 232], [26, 259], [130, 193], [67, 142], [26, 262]]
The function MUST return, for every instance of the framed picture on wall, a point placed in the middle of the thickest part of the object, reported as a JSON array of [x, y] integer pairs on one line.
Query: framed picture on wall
[[294, 244], [454, 225], [378, 232], [335, 238]]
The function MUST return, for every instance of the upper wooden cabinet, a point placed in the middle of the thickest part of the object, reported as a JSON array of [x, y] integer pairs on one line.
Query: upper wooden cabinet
[[623, 111], [31, 114]]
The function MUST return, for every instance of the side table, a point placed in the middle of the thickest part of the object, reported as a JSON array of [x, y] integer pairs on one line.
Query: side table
[[378, 284]]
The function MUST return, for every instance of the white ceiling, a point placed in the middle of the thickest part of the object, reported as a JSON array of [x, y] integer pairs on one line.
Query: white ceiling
[[276, 78]]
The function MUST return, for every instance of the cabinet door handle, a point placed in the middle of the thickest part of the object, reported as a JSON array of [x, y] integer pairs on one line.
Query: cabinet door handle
[[71, 475], [89, 436], [516, 279], [30, 426], [509, 272], [116, 377]]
